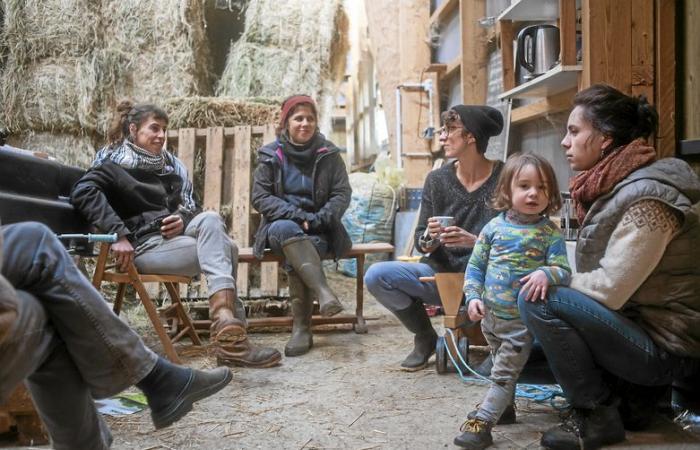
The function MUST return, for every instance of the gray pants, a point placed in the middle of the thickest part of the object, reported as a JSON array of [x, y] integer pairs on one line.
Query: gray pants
[[203, 248], [510, 343], [66, 342]]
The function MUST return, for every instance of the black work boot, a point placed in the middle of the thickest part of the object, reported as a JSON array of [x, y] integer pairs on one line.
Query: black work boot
[[476, 435], [303, 257], [507, 418], [586, 429], [417, 321], [301, 340]]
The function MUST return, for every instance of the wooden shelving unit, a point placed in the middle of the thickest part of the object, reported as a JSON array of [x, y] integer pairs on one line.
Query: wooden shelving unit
[[556, 87]]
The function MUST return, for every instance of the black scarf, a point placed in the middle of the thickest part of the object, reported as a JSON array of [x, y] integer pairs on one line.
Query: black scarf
[[304, 155]]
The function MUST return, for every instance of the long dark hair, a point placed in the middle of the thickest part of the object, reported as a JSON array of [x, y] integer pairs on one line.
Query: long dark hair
[[621, 117], [128, 113]]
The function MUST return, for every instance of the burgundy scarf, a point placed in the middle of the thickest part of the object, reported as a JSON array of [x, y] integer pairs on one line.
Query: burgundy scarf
[[587, 186]]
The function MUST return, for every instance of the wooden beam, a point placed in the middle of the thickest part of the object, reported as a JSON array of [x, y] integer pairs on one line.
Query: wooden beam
[[691, 87], [240, 230], [268, 270], [643, 48], [443, 11], [507, 36], [474, 52], [567, 31], [186, 148], [665, 83]]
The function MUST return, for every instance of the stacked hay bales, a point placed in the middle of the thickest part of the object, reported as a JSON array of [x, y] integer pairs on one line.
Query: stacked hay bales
[[202, 112], [154, 50], [50, 74], [288, 47]]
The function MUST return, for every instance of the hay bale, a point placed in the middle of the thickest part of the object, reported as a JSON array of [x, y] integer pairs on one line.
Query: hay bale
[[287, 47], [36, 29], [56, 94], [202, 112], [154, 50], [72, 149]]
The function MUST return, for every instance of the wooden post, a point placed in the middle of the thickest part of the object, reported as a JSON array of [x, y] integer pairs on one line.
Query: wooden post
[[474, 52], [213, 169], [186, 148], [665, 83], [691, 86], [269, 270], [240, 228], [643, 48]]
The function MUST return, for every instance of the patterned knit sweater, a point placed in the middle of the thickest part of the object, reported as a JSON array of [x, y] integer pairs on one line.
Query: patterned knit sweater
[[504, 253], [445, 195]]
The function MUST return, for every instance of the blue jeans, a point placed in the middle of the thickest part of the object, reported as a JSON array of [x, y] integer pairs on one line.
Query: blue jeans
[[583, 340], [396, 285], [66, 342]]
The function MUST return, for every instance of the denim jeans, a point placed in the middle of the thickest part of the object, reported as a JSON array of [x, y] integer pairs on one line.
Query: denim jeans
[[396, 285], [583, 340], [204, 247], [66, 342]]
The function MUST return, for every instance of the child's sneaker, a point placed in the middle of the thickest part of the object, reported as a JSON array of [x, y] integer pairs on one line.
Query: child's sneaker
[[476, 435]]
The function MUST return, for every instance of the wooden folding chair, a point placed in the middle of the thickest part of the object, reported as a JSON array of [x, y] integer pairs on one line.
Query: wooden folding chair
[[180, 323]]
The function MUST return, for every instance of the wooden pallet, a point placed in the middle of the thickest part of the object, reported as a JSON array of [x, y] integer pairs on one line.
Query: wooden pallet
[[229, 157]]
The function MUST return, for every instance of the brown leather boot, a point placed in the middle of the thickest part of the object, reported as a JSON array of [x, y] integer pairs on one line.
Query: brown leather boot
[[301, 339], [229, 333]]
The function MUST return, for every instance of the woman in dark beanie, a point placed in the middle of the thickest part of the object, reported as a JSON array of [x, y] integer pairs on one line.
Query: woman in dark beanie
[[461, 189], [629, 322], [301, 189]]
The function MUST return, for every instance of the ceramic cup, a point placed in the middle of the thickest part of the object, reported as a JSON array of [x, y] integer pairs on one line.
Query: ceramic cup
[[445, 221]]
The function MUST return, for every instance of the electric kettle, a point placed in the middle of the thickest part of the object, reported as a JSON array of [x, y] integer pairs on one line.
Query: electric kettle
[[538, 49]]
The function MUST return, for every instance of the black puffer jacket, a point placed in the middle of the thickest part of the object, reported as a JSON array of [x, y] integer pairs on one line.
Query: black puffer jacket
[[331, 196], [127, 201]]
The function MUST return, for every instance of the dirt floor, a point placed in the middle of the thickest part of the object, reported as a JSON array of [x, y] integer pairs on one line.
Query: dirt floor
[[347, 393]]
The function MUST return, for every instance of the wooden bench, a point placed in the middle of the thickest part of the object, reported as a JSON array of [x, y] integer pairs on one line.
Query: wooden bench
[[357, 252]]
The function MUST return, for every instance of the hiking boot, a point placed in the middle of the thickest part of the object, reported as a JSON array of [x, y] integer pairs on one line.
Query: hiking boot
[[301, 339], [476, 435], [586, 429], [229, 334], [416, 320], [507, 418], [303, 257]]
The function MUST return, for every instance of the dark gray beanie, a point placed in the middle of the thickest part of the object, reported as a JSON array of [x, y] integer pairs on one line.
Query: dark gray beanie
[[481, 121]]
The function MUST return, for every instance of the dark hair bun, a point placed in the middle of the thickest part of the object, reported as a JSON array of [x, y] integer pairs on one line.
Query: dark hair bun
[[647, 117]]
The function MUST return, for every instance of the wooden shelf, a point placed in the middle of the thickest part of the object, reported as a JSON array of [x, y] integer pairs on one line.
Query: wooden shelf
[[443, 11], [453, 68], [556, 103], [527, 10], [557, 80]]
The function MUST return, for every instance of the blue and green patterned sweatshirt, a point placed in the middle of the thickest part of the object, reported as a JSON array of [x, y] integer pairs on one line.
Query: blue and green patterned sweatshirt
[[504, 253]]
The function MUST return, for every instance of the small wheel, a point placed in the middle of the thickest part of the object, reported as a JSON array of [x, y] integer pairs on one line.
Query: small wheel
[[463, 349], [441, 357], [360, 327]]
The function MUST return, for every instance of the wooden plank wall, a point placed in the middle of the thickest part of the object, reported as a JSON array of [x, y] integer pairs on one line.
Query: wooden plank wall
[[228, 156]]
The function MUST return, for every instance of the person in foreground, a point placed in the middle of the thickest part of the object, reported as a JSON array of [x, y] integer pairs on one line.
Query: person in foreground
[[58, 334], [461, 189], [301, 189], [141, 192], [520, 250], [629, 322]]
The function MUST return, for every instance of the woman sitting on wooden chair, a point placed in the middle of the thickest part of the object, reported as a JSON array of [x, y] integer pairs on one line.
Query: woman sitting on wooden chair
[[140, 191], [301, 188]]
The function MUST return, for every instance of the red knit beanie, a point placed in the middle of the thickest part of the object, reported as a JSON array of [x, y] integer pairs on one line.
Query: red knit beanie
[[289, 105]]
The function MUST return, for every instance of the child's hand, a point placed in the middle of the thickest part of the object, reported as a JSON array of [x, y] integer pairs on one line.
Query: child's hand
[[475, 310], [536, 285]]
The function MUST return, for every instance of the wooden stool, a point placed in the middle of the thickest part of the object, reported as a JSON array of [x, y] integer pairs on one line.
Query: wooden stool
[[180, 324], [20, 412], [449, 286]]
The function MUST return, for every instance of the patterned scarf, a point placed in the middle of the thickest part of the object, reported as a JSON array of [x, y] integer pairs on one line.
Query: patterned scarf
[[587, 186], [130, 156]]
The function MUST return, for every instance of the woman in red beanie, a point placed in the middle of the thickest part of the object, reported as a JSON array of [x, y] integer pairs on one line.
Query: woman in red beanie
[[301, 189]]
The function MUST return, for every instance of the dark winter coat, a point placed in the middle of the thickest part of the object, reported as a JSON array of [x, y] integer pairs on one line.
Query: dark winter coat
[[128, 201], [331, 196]]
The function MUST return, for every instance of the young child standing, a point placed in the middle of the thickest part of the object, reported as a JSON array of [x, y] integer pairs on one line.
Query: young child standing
[[518, 250]]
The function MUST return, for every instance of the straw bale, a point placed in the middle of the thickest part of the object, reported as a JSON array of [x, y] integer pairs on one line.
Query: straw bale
[[54, 94], [72, 149], [35, 29], [202, 112], [286, 48], [154, 50]]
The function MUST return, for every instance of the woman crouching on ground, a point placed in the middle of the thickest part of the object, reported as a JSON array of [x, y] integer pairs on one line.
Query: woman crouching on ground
[[630, 321], [301, 189]]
